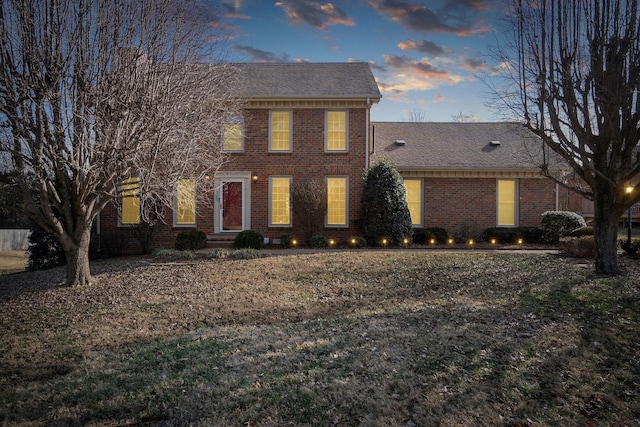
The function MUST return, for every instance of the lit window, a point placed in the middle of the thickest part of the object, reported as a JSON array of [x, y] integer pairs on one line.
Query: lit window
[[506, 202], [186, 203], [280, 131], [414, 200], [337, 201], [336, 131], [232, 133], [279, 201], [130, 211]]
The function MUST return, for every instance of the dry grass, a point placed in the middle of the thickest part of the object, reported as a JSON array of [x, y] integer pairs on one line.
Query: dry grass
[[12, 261], [364, 338]]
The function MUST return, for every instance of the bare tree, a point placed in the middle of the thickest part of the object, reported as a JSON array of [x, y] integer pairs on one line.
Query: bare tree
[[95, 92], [461, 117], [309, 204], [575, 69], [416, 116]]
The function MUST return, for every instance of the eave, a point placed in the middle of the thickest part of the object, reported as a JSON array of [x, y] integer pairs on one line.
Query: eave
[[412, 172]]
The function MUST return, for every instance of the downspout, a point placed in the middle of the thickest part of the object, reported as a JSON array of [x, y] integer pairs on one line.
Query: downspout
[[557, 196], [366, 166]]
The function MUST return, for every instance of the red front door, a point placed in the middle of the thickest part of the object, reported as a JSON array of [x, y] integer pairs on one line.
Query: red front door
[[232, 206]]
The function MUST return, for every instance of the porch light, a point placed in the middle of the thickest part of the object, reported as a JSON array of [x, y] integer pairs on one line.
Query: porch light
[[254, 178]]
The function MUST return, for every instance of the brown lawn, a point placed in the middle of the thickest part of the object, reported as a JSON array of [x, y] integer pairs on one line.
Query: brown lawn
[[406, 338]]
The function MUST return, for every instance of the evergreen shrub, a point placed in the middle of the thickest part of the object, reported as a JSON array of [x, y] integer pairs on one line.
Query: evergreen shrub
[[557, 224], [249, 239], [190, 240]]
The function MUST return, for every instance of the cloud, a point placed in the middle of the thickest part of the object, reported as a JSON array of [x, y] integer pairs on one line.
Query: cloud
[[475, 65], [259, 55], [418, 17], [405, 74], [423, 46], [415, 66], [233, 11], [314, 13]]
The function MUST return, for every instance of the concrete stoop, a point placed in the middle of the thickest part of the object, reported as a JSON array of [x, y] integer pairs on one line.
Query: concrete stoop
[[223, 241]]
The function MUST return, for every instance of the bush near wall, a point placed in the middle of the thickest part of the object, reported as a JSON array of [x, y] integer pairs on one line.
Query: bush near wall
[[191, 240], [557, 224], [249, 239], [423, 236]]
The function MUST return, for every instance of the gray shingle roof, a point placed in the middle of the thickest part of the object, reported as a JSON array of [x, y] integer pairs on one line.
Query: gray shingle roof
[[307, 80], [457, 146]]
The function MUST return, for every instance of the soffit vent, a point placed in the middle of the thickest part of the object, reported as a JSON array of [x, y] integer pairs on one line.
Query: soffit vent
[[400, 142]]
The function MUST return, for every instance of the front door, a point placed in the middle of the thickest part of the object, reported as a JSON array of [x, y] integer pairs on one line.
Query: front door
[[232, 206]]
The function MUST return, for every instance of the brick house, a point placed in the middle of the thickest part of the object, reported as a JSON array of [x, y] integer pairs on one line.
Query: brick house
[[300, 121], [466, 177], [306, 121]]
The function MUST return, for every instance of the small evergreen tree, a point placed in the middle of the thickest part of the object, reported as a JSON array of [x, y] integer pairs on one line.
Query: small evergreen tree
[[384, 212]]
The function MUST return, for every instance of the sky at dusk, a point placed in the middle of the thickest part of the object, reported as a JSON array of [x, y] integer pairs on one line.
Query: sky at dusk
[[429, 57]]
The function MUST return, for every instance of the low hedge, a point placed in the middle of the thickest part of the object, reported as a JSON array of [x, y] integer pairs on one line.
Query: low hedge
[[190, 240], [509, 235], [422, 236]]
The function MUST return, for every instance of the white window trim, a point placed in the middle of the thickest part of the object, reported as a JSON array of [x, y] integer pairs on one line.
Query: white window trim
[[326, 131], [120, 223], [241, 149], [516, 204], [271, 150], [175, 210], [270, 216], [346, 206], [421, 224]]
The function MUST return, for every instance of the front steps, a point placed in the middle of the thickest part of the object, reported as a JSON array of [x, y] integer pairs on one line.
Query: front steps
[[224, 241]]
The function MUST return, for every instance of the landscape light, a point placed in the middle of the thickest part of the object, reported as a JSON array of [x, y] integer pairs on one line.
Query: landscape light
[[405, 241], [493, 241], [353, 241], [384, 242], [470, 242], [294, 242], [332, 242], [450, 241], [520, 241], [432, 241]]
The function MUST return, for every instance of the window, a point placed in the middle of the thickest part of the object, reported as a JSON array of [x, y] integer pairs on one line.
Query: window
[[507, 203], [279, 201], [185, 212], [336, 134], [280, 131], [232, 138], [414, 200], [337, 201], [130, 210]]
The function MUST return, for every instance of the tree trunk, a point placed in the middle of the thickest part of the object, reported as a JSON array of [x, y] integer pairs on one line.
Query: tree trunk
[[605, 230], [77, 257]]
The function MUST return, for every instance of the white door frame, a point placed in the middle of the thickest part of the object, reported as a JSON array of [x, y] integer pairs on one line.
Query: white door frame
[[245, 179]]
